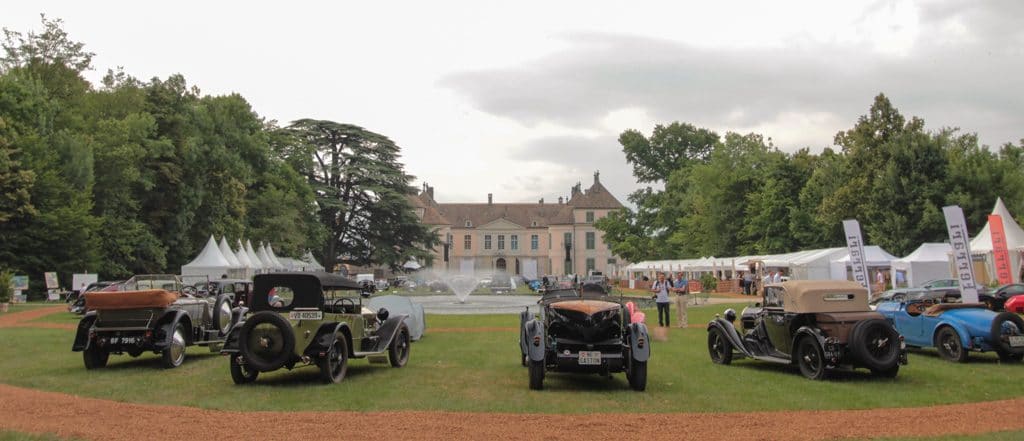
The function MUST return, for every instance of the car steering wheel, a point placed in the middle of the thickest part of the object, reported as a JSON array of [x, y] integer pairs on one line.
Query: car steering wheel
[[341, 302]]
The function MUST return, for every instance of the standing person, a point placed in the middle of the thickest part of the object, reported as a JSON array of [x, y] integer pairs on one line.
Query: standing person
[[681, 289], [748, 280], [660, 290]]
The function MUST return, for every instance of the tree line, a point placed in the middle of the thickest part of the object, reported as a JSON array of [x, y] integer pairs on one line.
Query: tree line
[[709, 195], [132, 176]]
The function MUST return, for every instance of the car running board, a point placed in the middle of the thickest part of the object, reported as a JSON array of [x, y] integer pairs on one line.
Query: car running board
[[772, 359], [367, 354]]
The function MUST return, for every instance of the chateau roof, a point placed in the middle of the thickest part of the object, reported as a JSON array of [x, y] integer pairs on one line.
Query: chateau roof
[[595, 197]]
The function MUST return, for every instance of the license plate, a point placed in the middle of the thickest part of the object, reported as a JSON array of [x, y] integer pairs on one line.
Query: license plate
[[1016, 340], [590, 358], [124, 340], [306, 315]]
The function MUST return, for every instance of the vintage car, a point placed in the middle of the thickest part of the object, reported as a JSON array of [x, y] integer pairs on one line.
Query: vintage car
[[76, 303], [817, 325], [238, 290], [583, 331], [154, 313], [312, 318], [996, 299], [956, 328]]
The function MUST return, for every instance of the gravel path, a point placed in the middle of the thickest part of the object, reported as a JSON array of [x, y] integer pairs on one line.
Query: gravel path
[[33, 411], [19, 319]]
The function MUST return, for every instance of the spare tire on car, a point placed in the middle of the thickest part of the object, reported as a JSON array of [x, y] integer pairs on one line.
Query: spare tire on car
[[266, 341], [1003, 327], [875, 344]]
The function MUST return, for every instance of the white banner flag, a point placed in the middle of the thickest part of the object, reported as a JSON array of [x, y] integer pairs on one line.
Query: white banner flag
[[960, 241], [855, 244]]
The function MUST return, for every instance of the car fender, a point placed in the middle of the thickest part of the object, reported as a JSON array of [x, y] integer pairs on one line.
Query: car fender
[[730, 333], [325, 338], [523, 318], [168, 321], [535, 337], [806, 330], [82, 340], [388, 330], [231, 337], [639, 342], [961, 330]]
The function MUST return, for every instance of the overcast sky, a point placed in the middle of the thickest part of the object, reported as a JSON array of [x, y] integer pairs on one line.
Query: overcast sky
[[523, 99]]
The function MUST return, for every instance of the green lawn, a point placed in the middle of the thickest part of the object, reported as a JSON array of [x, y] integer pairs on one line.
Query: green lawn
[[6, 435], [479, 371], [994, 436]]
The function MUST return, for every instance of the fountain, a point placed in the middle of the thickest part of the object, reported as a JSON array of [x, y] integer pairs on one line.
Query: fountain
[[462, 285]]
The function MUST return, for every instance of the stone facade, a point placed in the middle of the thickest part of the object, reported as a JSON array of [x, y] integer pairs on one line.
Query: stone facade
[[523, 238]]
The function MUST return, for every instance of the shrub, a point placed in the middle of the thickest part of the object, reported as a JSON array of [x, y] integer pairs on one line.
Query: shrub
[[6, 291], [708, 282]]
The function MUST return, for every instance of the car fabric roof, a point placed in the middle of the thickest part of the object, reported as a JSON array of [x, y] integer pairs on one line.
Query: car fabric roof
[[804, 296]]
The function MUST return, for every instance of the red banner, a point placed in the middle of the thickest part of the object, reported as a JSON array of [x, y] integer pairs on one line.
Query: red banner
[[1001, 254]]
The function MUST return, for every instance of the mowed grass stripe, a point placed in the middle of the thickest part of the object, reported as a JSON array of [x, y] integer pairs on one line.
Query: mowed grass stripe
[[479, 371]]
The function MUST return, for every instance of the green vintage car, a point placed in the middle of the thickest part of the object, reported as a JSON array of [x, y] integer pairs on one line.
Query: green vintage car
[[312, 318]]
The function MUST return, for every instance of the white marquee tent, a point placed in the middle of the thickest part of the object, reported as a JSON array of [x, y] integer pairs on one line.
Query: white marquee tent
[[268, 263], [928, 262], [210, 262], [311, 261], [243, 257], [225, 250], [981, 245], [253, 257], [874, 256]]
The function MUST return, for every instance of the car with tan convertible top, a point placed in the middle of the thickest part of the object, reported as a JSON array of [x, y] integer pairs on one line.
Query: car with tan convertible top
[[819, 326], [152, 313]]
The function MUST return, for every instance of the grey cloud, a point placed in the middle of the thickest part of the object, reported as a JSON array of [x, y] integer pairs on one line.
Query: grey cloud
[[577, 157], [974, 84]]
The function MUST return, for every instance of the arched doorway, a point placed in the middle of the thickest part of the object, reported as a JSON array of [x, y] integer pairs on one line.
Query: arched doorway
[[500, 264]]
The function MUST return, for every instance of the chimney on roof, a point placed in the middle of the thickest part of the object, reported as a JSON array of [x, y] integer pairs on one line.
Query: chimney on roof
[[490, 198], [541, 201], [430, 192], [597, 177], [559, 200]]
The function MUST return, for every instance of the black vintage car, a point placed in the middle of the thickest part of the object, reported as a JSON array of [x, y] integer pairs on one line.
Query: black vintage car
[[154, 313], [312, 318], [816, 325], [583, 331]]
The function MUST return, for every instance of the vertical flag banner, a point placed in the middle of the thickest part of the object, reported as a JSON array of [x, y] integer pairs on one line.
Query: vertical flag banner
[[1000, 253], [855, 244], [960, 241]]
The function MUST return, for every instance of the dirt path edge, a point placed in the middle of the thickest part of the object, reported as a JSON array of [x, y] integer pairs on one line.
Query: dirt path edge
[[33, 411]]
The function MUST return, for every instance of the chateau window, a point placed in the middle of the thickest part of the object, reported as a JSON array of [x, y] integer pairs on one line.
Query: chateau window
[[487, 242], [514, 242], [590, 240], [590, 264], [469, 224], [467, 242], [534, 242], [533, 224], [567, 239], [501, 241], [590, 217]]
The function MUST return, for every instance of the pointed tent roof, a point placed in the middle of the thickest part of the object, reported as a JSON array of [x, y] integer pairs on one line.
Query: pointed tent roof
[[225, 250], [265, 258], [982, 243], [253, 257], [308, 258], [209, 257], [273, 256], [928, 252], [874, 255], [242, 256]]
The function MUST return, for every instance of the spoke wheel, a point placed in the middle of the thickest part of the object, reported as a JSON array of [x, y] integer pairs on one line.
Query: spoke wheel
[[241, 373], [810, 358], [334, 364], [398, 350], [949, 345], [719, 348]]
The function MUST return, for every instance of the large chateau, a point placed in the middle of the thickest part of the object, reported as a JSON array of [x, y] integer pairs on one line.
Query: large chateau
[[521, 238]]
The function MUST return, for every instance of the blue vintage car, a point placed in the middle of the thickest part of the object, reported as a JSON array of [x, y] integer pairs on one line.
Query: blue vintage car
[[954, 329]]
